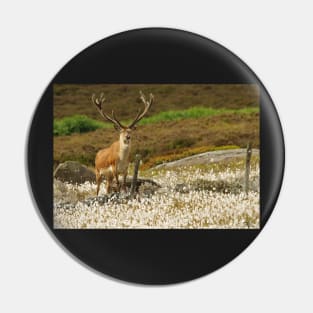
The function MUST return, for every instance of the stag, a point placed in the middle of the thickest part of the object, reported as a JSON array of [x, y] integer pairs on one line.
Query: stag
[[114, 161]]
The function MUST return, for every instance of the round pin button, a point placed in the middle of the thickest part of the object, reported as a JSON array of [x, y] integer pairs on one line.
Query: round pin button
[[155, 156]]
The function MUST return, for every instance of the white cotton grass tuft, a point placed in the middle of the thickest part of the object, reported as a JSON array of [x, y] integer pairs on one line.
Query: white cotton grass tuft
[[190, 206]]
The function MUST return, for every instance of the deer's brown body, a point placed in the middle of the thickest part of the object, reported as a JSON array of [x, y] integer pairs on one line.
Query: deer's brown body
[[114, 160], [110, 163]]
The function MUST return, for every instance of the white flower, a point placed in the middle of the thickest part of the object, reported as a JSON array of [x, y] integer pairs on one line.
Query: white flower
[[166, 208]]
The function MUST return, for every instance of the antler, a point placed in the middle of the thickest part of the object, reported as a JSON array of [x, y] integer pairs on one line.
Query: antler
[[98, 102], [146, 109]]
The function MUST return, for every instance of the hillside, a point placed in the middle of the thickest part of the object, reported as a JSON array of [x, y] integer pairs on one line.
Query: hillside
[[163, 139], [124, 99], [183, 120]]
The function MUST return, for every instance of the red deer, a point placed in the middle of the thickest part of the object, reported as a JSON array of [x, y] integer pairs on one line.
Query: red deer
[[114, 160]]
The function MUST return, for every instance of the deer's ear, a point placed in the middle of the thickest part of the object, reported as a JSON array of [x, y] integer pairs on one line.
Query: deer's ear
[[134, 128], [116, 127]]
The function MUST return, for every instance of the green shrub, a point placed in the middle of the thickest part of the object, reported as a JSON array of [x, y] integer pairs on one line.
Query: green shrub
[[75, 124]]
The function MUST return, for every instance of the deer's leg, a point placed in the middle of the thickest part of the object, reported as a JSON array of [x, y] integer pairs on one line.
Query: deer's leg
[[124, 181], [98, 181], [115, 173], [109, 179]]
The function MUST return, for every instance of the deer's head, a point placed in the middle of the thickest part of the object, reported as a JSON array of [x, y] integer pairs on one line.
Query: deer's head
[[125, 131]]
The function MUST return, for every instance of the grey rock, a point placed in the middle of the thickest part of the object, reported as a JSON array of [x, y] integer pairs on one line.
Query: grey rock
[[74, 172]]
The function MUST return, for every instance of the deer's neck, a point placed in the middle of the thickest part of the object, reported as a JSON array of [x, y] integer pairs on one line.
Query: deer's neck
[[124, 150]]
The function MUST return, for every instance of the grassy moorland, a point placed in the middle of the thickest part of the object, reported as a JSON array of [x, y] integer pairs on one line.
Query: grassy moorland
[[184, 120], [124, 99], [168, 137]]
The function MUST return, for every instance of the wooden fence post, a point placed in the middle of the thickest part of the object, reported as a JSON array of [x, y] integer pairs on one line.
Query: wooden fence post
[[248, 160], [136, 168]]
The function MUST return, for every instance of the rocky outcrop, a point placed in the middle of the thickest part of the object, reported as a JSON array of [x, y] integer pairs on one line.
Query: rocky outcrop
[[208, 157]]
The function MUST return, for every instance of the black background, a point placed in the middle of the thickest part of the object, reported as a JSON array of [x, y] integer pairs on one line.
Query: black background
[[154, 56]]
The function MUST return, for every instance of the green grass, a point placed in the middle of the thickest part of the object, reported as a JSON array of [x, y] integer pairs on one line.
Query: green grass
[[82, 123], [195, 112], [75, 124]]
